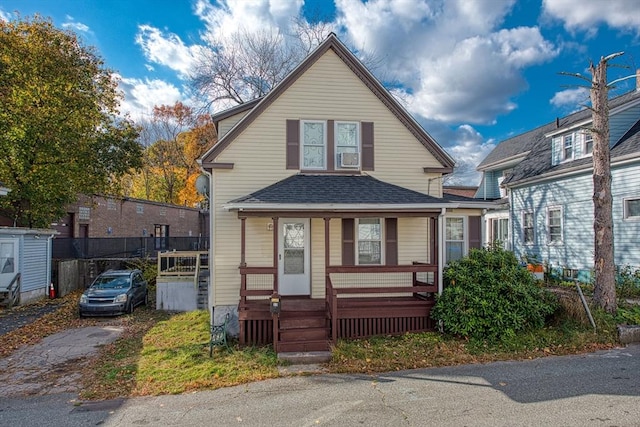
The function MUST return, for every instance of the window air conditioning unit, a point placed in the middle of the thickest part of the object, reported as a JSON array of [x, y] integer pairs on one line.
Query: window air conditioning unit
[[349, 160]]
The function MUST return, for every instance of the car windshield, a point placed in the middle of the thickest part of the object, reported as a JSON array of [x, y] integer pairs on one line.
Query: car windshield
[[111, 282]]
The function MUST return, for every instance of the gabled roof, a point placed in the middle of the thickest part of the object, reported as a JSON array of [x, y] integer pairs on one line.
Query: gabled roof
[[537, 147], [335, 189], [526, 144], [331, 42]]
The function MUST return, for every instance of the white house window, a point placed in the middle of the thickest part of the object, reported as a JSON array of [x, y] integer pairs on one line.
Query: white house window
[[567, 148], [632, 209], [314, 145], [454, 239], [163, 211], [111, 205], [347, 140], [554, 224], [500, 231], [369, 241], [588, 143], [527, 227]]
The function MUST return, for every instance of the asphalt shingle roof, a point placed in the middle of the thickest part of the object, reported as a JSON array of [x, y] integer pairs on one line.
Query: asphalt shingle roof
[[336, 189], [538, 161]]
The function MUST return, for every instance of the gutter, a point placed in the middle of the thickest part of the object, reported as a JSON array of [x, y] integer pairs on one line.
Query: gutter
[[441, 250], [212, 247]]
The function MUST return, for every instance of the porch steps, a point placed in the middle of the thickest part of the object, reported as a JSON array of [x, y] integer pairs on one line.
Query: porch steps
[[303, 326]]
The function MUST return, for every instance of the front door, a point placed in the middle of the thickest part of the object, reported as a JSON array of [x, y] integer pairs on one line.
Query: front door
[[293, 257]]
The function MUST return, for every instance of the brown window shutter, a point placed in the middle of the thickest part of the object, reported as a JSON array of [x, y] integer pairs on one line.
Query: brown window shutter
[[367, 146], [348, 241], [475, 238], [391, 241], [331, 149], [293, 144]]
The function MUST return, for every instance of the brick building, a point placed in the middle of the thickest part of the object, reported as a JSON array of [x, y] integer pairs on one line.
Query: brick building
[[101, 216]]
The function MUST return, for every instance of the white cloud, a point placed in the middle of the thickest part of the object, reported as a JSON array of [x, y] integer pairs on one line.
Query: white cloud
[[586, 14], [451, 72], [166, 49], [469, 150], [72, 25], [572, 98], [4, 16], [140, 96]]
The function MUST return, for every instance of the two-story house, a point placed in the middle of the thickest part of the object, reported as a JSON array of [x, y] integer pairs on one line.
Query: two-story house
[[327, 213], [542, 183]]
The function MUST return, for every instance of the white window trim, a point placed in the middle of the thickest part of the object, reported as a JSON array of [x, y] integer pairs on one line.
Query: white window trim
[[302, 144], [533, 228], [359, 145], [357, 241], [579, 139], [625, 209], [548, 225], [465, 235], [584, 144]]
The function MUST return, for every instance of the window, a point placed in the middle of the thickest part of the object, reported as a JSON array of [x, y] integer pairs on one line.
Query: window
[[347, 139], [500, 231], [84, 213], [632, 209], [369, 241], [7, 258], [554, 225], [111, 205], [163, 211], [162, 236], [567, 148], [588, 143], [454, 239], [139, 208], [527, 227], [314, 151]]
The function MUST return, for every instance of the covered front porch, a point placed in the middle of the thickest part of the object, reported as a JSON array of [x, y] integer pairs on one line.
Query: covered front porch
[[317, 289]]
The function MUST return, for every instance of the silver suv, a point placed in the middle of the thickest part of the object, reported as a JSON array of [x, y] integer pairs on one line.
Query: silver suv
[[114, 292]]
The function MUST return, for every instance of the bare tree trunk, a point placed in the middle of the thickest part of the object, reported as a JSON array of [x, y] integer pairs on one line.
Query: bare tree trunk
[[604, 267]]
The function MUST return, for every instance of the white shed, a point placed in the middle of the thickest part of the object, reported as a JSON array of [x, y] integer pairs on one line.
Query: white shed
[[25, 261]]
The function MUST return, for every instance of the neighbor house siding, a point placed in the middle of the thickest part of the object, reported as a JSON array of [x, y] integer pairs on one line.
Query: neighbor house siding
[[574, 196], [34, 263], [261, 147]]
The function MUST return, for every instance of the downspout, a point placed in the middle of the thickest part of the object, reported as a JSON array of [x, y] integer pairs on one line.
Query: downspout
[[443, 211]]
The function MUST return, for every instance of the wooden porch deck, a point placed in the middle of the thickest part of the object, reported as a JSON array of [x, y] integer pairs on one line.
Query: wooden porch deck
[[305, 324]]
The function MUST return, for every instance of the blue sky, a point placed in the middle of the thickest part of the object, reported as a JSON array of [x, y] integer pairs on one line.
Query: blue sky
[[473, 73]]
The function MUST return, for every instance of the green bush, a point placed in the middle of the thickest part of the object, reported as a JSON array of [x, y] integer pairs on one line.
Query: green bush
[[490, 296]]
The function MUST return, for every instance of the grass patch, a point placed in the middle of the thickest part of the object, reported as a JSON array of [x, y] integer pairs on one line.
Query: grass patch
[[431, 349], [170, 355]]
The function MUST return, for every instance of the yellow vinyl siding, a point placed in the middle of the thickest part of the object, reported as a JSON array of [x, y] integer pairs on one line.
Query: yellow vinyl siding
[[225, 125], [328, 90]]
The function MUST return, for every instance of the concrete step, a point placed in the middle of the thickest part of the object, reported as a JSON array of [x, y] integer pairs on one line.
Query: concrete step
[[305, 357]]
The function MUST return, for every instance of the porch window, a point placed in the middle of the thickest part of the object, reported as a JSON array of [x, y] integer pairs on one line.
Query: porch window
[[554, 224], [369, 241], [454, 239], [347, 139], [500, 231], [314, 145], [527, 227]]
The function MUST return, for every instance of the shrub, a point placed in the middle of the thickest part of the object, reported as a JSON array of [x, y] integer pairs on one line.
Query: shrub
[[489, 295]]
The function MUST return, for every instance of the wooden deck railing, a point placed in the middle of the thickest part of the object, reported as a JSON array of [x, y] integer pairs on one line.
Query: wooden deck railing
[[416, 287], [11, 294], [182, 264]]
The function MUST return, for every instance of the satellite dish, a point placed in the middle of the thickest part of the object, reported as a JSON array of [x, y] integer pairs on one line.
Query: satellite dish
[[202, 185]]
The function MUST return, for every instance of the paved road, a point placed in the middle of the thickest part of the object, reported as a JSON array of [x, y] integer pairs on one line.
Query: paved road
[[599, 389]]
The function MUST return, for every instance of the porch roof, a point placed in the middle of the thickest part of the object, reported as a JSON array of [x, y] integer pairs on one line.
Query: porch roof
[[337, 192]]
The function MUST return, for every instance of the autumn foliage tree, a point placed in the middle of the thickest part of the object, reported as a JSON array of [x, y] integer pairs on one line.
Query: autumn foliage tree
[[174, 138], [60, 133]]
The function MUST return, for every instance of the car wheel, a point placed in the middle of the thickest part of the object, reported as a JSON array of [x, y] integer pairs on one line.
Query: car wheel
[[130, 308], [146, 299], [80, 315]]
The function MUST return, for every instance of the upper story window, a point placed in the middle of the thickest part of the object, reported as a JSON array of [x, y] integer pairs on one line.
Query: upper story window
[[527, 227], [347, 140], [571, 146], [632, 209], [314, 145], [329, 145], [554, 225]]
